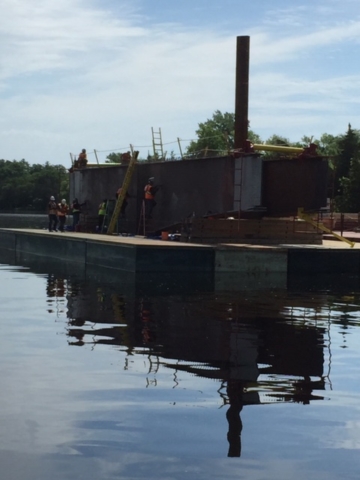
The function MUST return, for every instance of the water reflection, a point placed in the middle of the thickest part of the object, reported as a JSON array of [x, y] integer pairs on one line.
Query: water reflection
[[257, 345], [259, 350]]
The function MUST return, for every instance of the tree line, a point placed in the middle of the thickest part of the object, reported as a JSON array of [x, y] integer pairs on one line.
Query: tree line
[[29, 187], [216, 136], [25, 187]]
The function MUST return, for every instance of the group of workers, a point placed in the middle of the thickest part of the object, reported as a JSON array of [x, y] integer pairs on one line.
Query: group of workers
[[81, 161], [150, 191], [58, 213]]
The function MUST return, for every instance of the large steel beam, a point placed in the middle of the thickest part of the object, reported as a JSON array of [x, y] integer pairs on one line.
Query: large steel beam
[[277, 148], [242, 91]]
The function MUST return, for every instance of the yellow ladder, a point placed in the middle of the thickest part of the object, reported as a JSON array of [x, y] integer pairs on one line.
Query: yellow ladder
[[320, 226], [124, 189], [157, 144]]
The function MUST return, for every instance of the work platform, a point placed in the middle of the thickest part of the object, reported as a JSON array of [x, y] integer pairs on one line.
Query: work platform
[[138, 254]]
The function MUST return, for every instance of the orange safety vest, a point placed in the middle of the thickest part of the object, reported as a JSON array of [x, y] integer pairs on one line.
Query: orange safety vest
[[148, 194], [62, 210]]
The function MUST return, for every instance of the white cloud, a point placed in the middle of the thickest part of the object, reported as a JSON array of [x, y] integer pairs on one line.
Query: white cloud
[[81, 75]]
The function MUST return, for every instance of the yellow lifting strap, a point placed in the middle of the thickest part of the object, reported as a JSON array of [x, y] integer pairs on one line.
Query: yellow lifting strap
[[320, 226], [124, 189]]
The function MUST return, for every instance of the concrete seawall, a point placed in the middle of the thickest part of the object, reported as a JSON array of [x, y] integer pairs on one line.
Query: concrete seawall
[[137, 254]]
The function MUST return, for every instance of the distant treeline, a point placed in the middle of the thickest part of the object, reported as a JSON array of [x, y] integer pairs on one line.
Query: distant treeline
[[29, 187], [25, 187], [217, 135]]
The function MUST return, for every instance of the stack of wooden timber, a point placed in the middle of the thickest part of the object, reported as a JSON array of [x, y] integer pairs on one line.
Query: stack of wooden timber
[[264, 231]]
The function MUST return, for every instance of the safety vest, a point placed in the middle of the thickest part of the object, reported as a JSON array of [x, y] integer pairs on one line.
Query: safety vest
[[102, 209], [62, 209], [148, 194], [52, 208]]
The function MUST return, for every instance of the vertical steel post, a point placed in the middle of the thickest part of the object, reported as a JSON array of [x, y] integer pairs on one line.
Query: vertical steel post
[[242, 91], [181, 154]]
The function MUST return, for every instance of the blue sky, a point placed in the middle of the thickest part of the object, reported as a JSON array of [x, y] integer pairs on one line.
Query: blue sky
[[99, 74]]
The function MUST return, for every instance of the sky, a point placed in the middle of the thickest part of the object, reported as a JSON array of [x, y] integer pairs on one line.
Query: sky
[[100, 74]]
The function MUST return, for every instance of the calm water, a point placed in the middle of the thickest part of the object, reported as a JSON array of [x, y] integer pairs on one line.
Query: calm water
[[15, 220], [108, 376]]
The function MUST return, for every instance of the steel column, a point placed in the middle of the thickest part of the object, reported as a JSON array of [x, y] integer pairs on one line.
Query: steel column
[[242, 91]]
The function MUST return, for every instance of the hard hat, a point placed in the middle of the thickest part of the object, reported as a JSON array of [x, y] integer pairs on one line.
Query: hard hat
[[63, 201], [52, 198], [151, 179]]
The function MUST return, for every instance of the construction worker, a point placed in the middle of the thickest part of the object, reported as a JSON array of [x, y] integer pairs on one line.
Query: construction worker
[[149, 197], [125, 158], [82, 158], [101, 215], [75, 210], [63, 210], [52, 212]]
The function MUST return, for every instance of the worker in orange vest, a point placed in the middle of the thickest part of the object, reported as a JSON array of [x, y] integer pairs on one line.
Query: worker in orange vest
[[149, 197], [82, 158], [63, 210]]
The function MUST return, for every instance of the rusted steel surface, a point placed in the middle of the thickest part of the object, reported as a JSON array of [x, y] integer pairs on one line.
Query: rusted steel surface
[[289, 184], [197, 186], [242, 90]]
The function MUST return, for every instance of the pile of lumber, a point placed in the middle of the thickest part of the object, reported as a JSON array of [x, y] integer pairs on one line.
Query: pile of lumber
[[263, 231]]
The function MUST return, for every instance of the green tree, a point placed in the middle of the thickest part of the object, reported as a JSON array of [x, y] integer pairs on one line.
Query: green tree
[[349, 201], [279, 141], [113, 158], [328, 144], [14, 184], [29, 187], [348, 148], [216, 135], [49, 180]]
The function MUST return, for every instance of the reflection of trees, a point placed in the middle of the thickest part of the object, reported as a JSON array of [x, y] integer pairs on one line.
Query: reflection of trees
[[258, 351]]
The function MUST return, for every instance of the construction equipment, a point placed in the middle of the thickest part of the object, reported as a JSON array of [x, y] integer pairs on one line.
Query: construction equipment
[[157, 144], [320, 226], [124, 189]]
